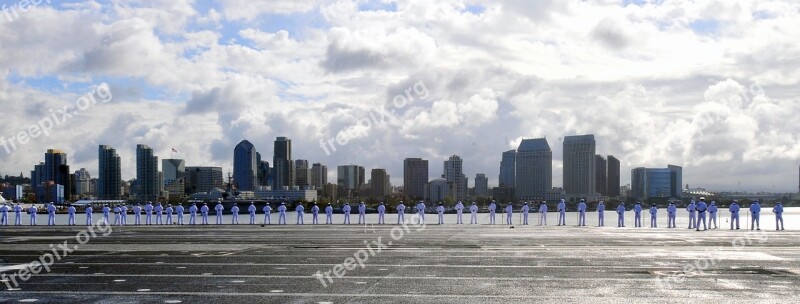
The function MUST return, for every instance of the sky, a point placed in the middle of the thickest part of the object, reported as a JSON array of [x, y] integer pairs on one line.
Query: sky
[[708, 85]]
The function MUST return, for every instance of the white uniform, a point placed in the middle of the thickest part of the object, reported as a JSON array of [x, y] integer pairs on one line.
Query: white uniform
[[346, 210], [148, 213], [267, 212], [381, 212], [117, 216], [179, 212], [204, 213], [401, 209], [17, 215], [192, 215], [106, 210], [252, 211], [235, 215], [509, 214], [525, 210], [51, 215], [582, 213], [601, 210], [562, 216], [492, 210], [88, 215], [440, 212], [159, 213], [32, 210], [219, 208], [459, 211], [473, 210], [329, 215], [637, 215], [300, 214], [671, 214], [169, 210], [362, 209], [282, 214], [137, 214], [124, 210], [421, 212], [71, 215], [653, 216], [543, 216], [315, 214], [4, 215]]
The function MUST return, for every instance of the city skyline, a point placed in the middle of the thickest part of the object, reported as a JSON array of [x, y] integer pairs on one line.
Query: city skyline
[[705, 85]]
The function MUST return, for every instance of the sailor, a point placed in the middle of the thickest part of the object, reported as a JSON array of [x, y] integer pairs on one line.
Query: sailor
[[169, 210], [421, 211], [778, 210], [637, 215], [124, 210], [18, 214], [362, 210], [621, 215], [329, 214], [381, 212], [492, 210], [159, 210], [106, 210], [712, 214], [543, 211], [315, 214], [582, 213], [734, 209], [300, 212], [440, 211], [701, 209], [117, 215], [473, 210], [671, 215], [137, 214], [692, 219], [179, 212], [252, 210], [510, 214], [653, 216], [601, 210], [204, 213], [51, 214], [282, 214], [219, 208], [235, 214], [562, 215], [267, 214], [3, 215], [755, 213], [525, 210], [459, 211], [71, 213], [88, 211], [148, 213], [192, 214], [346, 210], [32, 210], [401, 209]]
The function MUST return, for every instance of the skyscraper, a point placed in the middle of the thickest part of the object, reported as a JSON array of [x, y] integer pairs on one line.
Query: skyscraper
[[579, 166], [534, 169], [482, 184], [507, 168], [319, 175], [173, 169], [147, 181], [109, 182], [601, 179], [302, 173], [379, 183], [283, 172], [203, 179], [415, 177], [82, 182], [613, 176], [263, 175], [454, 173], [245, 166], [348, 177], [56, 170], [38, 175]]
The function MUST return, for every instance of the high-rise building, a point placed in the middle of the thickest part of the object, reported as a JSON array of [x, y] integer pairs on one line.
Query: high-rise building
[[348, 177], [507, 168], [379, 183], [302, 174], [82, 182], [245, 166], [534, 169], [203, 179], [481, 185], [109, 182], [579, 152], [174, 176], [415, 177], [57, 170], [264, 175], [656, 182], [613, 176], [600, 175], [319, 175], [147, 179], [38, 175], [283, 171], [454, 173], [438, 190]]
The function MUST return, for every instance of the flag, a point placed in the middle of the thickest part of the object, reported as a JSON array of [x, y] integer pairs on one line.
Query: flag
[[174, 150]]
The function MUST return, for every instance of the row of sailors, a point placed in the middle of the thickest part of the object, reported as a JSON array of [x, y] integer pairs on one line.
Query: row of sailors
[[697, 213]]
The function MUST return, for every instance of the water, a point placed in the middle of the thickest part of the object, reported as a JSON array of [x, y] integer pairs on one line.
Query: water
[[791, 218]]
